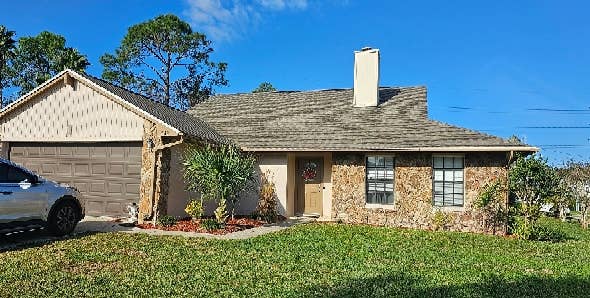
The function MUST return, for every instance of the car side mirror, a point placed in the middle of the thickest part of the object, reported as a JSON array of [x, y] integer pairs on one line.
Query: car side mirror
[[34, 179]]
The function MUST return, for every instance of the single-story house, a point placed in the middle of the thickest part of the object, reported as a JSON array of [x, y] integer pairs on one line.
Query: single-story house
[[364, 155]]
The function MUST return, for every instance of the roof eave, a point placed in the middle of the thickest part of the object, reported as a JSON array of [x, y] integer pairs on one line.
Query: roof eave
[[404, 149]]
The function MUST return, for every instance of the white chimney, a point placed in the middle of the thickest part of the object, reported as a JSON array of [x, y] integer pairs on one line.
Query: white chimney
[[366, 78]]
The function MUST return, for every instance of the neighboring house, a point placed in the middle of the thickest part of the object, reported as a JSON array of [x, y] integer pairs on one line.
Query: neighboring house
[[362, 155], [377, 156]]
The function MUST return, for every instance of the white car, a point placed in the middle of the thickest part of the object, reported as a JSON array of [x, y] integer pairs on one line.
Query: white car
[[28, 200]]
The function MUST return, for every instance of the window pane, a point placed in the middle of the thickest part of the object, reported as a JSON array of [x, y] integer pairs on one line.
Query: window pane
[[389, 198], [438, 200], [448, 162], [438, 175], [389, 162], [438, 162], [389, 174], [371, 161], [438, 187], [380, 161], [449, 175], [371, 174], [389, 187], [458, 163], [459, 175], [371, 197]]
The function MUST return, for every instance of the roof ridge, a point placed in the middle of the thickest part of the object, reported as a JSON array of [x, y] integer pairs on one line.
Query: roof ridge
[[130, 91]]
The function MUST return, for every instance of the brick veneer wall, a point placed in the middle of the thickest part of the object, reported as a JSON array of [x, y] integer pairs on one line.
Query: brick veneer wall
[[413, 191]]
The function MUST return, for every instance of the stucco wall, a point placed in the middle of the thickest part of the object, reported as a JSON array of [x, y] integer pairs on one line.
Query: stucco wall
[[413, 191], [276, 167], [178, 197]]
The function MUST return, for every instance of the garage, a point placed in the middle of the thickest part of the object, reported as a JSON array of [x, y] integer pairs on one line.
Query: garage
[[106, 174], [113, 145]]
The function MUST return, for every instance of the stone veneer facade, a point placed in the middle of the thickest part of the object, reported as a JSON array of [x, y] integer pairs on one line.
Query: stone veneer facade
[[155, 173], [413, 206]]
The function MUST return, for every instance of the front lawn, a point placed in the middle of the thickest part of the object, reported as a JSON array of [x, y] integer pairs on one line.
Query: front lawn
[[325, 260]]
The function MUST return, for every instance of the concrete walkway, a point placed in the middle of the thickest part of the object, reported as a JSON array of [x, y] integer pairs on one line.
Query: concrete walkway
[[105, 224]]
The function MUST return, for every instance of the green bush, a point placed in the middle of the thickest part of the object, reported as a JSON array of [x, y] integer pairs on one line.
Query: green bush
[[218, 173], [544, 233], [210, 224], [166, 221], [195, 209], [538, 232]]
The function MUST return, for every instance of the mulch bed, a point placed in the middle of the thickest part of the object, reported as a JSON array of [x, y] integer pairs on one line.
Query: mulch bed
[[188, 225]]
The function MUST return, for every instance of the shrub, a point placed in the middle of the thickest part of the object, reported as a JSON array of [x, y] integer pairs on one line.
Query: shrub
[[492, 204], [219, 173], [544, 233], [210, 224], [166, 221], [533, 182], [527, 231], [220, 212], [195, 209], [268, 200]]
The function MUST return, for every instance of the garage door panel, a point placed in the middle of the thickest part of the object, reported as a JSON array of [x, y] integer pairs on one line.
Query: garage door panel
[[106, 174]]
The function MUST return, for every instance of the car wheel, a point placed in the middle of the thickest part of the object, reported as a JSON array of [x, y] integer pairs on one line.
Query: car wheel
[[63, 219]]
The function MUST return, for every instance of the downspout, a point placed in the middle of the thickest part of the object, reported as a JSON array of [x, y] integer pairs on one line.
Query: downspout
[[154, 178]]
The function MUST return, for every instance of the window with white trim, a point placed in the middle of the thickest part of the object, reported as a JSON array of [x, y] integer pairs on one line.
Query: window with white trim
[[448, 181], [380, 178]]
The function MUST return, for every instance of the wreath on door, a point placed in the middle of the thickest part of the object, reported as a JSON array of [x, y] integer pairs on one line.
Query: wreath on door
[[310, 171]]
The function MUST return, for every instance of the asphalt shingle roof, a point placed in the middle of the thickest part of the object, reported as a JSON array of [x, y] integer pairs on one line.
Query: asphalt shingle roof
[[180, 120], [327, 120]]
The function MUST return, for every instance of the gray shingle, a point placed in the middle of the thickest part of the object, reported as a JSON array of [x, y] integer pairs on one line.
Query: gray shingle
[[326, 120], [180, 120]]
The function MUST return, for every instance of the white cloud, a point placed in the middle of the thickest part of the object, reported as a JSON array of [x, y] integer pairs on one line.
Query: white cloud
[[224, 20]]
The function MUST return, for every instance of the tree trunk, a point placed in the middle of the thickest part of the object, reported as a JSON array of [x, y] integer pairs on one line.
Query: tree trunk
[[584, 218], [167, 82]]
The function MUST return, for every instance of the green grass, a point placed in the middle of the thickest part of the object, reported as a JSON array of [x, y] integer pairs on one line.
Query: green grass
[[315, 260]]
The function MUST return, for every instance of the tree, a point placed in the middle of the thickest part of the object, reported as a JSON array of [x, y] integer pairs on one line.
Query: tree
[[264, 87], [38, 58], [533, 182], [7, 47], [164, 59], [578, 178], [218, 173]]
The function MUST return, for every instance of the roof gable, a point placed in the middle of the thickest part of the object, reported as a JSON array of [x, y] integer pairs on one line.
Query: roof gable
[[177, 121]]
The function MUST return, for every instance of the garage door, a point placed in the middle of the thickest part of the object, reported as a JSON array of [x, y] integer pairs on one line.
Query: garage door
[[107, 174]]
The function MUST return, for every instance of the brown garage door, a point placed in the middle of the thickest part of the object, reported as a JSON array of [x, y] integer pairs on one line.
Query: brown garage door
[[107, 174]]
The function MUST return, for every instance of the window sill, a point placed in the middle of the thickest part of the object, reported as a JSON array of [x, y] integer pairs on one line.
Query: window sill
[[449, 208], [380, 206]]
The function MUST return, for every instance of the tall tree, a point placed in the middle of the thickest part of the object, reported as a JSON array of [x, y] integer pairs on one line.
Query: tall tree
[[165, 59], [264, 87], [40, 57], [7, 47]]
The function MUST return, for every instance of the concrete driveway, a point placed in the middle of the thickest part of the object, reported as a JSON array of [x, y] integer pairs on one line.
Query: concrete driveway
[[39, 236]]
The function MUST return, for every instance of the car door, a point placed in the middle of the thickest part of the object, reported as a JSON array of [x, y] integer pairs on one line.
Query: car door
[[20, 199]]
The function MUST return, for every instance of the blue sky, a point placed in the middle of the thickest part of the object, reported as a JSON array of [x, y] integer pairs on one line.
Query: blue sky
[[502, 67]]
